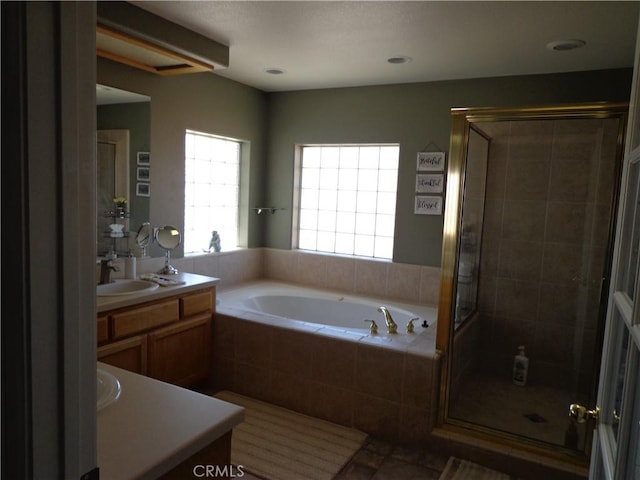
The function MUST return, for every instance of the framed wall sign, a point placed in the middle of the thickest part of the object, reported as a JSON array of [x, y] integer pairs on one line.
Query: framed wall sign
[[143, 189], [143, 174], [144, 158], [428, 205], [430, 183], [430, 162]]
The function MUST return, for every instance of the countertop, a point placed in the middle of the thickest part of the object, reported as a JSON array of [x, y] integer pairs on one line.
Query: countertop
[[154, 426], [192, 282]]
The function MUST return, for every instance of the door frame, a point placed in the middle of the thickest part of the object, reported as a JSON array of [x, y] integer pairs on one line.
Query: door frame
[[48, 198], [610, 452]]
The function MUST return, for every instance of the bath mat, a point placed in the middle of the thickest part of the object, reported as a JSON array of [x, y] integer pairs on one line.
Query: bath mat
[[457, 469], [279, 444]]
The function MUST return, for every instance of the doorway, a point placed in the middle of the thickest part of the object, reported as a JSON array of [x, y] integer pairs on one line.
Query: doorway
[[535, 264], [112, 165]]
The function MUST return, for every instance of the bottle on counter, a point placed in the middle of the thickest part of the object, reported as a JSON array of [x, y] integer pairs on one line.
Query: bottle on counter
[[130, 266]]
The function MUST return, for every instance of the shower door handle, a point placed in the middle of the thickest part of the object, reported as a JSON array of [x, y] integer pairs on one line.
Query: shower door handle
[[581, 414]]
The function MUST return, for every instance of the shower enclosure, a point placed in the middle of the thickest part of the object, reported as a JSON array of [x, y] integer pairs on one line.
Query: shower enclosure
[[527, 243]]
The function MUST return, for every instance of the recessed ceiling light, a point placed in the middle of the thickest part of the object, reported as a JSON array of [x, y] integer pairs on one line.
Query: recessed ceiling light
[[564, 45], [399, 59], [274, 71]]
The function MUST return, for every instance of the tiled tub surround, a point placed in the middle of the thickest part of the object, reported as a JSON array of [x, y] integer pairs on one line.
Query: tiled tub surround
[[405, 282], [384, 385], [362, 276]]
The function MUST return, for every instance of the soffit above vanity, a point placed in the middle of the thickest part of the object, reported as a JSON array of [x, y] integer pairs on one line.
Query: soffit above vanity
[[135, 37]]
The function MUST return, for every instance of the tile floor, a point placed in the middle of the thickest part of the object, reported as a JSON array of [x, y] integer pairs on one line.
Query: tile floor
[[380, 460]]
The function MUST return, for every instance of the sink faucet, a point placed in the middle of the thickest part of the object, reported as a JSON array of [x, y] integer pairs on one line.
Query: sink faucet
[[391, 325], [106, 267]]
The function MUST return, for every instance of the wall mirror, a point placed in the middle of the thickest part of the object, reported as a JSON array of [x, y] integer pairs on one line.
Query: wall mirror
[[122, 111], [529, 221]]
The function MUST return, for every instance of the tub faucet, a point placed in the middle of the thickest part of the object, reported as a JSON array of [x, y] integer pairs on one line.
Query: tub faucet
[[391, 325], [106, 267], [374, 327]]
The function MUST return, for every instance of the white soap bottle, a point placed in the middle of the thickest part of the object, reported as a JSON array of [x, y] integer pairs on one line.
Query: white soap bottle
[[130, 266], [520, 367]]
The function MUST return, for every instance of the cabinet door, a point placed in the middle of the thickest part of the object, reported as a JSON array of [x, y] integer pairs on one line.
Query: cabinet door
[[181, 353], [103, 330], [129, 354]]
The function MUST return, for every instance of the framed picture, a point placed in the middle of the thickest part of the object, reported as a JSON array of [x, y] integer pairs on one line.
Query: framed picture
[[430, 183], [143, 174], [143, 189], [426, 205], [430, 162], [143, 158]]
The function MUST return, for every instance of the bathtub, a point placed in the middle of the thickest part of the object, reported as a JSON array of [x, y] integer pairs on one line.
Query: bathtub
[[331, 314]]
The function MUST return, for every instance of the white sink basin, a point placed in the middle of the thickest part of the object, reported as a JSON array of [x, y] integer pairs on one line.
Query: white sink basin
[[108, 389], [125, 287]]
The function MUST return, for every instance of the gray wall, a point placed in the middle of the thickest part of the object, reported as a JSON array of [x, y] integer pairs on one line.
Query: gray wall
[[414, 115], [205, 102]]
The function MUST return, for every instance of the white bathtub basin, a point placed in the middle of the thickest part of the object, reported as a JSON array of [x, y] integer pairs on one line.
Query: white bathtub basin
[[108, 389], [125, 287]]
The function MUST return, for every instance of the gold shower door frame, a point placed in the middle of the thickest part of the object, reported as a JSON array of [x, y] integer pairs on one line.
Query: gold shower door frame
[[462, 119]]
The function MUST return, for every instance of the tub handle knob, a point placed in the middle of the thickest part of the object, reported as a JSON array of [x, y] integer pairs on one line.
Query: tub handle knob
[[410, 325], [374, 327]]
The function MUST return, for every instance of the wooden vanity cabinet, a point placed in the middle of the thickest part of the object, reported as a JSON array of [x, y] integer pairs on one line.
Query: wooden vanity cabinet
[[129, 354], [167, 339], [181, 353]]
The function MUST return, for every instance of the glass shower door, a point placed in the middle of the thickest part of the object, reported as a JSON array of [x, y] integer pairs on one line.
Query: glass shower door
[[545, 252]]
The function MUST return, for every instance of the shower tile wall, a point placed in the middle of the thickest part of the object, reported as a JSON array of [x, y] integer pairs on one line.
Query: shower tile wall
[[547, 220]]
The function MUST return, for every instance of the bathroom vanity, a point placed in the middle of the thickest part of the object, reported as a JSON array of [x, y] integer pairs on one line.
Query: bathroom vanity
[[163, 333], [156, 430]]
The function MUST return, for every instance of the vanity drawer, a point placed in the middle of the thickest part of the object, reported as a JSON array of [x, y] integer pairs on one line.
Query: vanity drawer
[[196, 303], [144, 318]]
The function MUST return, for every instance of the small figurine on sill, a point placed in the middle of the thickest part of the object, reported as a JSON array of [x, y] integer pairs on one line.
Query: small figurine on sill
[[215, 241]]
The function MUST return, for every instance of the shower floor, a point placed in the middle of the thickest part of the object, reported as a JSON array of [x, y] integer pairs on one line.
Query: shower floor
[[536, 412]]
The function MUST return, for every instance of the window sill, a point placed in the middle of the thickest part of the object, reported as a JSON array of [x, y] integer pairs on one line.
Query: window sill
[[223, 252]]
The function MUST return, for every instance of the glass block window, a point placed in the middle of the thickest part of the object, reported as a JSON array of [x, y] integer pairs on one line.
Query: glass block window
[[212, 176], [348, 199]]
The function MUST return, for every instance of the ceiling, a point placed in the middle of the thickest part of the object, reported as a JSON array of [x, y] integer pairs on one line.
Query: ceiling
[[325, 44]]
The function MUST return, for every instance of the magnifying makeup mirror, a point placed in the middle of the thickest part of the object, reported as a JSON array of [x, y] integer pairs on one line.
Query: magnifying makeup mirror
[[168, 237], [143, 237]]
